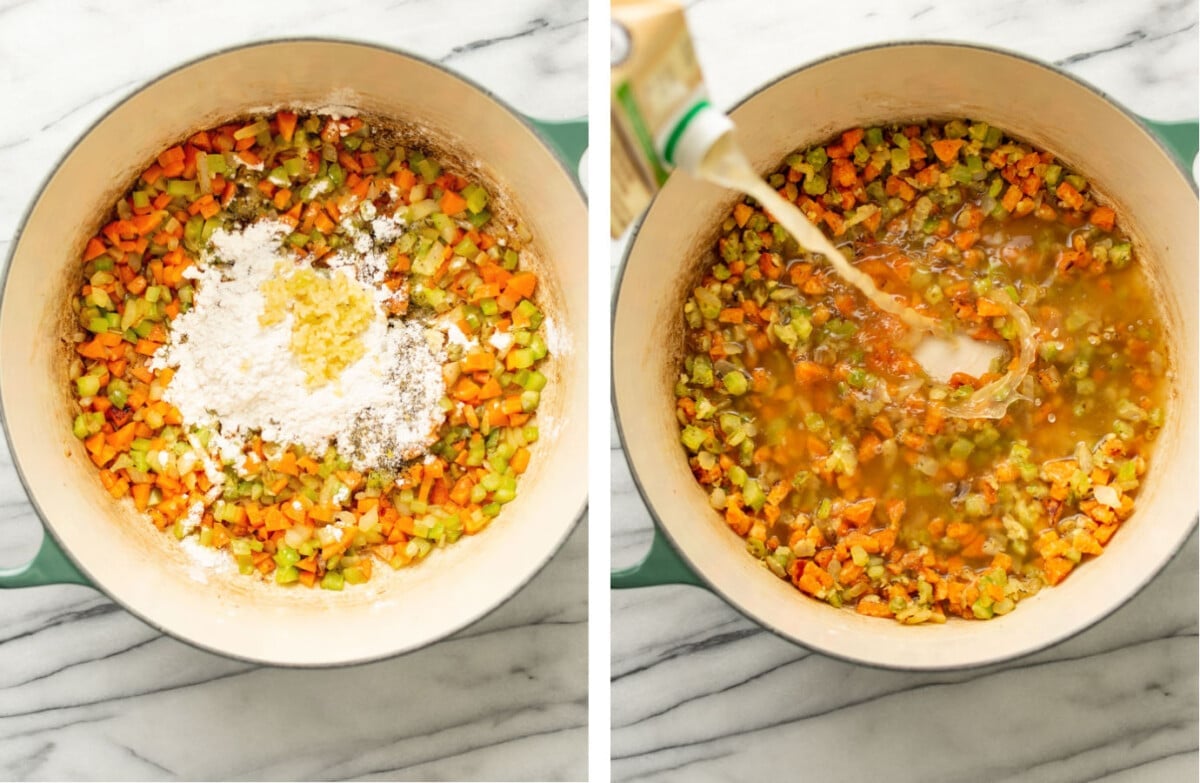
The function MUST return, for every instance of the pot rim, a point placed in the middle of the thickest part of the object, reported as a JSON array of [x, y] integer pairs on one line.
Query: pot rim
[[660, 529], [48, 528]]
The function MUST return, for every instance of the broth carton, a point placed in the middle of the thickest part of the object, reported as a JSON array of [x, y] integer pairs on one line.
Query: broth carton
[[661, 116]]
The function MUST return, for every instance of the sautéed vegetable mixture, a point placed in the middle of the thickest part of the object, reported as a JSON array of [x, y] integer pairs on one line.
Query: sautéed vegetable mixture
[[375, 241], [827, 448]]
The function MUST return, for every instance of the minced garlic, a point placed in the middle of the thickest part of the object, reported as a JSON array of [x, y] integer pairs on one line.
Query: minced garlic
[[329, 312]]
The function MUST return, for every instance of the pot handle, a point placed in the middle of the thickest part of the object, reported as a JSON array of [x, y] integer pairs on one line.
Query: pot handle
[[50, 566], [569, 138], [1182, 138], [662, 565]]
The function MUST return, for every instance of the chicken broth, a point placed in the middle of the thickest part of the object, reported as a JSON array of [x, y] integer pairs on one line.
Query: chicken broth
[[828, 448]]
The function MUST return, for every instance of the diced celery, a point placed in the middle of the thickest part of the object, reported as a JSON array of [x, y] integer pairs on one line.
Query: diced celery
[[702, 371], [286, 575], [286, 556], [428, 169], [476, 196], [333, 580], [1120, 255], [118, 392], [536, 382], [693, 437], [753, 494], [530, 311], [1076, 320], [185, 188], [815, 184], [520, 358], [210, 226], [955, 129], [87, 385], [961, 448], [735, 382], [976, 505]]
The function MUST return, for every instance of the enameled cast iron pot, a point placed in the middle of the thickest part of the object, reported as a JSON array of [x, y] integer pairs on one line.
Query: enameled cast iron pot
[[92, 539], [1110, 147]]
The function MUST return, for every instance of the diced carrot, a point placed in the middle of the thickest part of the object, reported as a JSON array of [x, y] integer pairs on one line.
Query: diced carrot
[[1103, 218], [144, 224], [1069, 195], [171, 156], [466, 390], [452, 203], [1056, 569], [95, 247], [478, 360], [807, 372], [947, 149], [490, 389], [286, 121], [859, 513], [732, 315], [986, 308], [870, 605], [520, 460], [146, 347], [521, 285]]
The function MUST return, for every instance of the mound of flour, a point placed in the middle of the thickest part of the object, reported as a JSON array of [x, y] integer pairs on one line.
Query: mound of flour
[[237, 376]]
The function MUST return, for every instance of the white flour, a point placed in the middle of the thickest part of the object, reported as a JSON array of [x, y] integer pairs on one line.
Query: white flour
[[206, 559], [233, 373]]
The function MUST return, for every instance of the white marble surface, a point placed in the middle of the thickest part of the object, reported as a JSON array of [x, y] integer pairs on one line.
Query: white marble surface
[[701, 693], [86, 690]]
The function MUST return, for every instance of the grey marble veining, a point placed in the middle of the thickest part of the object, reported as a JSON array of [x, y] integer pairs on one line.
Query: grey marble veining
[[701, 693], [88, 691]]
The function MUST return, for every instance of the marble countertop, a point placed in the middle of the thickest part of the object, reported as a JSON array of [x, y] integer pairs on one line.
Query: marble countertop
[[88, 691], [701, 693]]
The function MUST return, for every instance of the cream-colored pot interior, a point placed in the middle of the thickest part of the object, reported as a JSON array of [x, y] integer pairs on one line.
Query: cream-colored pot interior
[[907, 82], [149, 572]]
